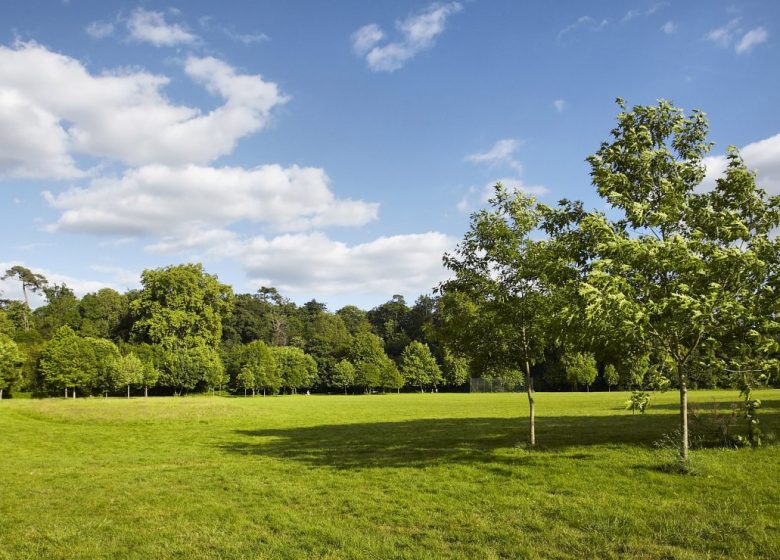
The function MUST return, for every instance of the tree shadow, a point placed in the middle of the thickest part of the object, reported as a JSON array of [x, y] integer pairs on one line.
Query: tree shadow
[[428, 442]]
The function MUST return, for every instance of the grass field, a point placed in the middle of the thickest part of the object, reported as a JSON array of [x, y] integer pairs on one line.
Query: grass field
[[382, 476]]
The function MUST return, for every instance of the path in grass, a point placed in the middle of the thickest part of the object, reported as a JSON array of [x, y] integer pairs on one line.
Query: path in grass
[[381, 476]]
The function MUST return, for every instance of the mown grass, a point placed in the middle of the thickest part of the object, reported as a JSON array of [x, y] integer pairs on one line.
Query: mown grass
[[381, 476]]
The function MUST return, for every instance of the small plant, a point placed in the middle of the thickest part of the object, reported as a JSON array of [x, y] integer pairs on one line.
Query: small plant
[[638, 401]]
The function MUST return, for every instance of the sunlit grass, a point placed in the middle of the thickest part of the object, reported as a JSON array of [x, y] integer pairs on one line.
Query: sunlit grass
[[381, 476]]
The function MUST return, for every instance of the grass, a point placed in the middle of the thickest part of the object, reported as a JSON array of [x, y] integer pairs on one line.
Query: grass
[[382, 476]]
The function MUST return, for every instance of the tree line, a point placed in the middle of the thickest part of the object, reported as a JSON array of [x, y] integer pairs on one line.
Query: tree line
[[671, 285]]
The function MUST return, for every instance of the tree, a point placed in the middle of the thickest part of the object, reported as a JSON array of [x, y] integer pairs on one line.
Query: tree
[[611, 376], [355, 319], [496, 308], [149, 376], [297, 368], [389, 376], [31, 282], [183, 368], [257, 363], [69, 361], [682, 267], [368, 356], [130, 371], [11, 361], [343, 374], [62, 308], [101, 313], [181, 306], [455, 369], [580, 368], [418, 365], [214, 373], [246, 379]]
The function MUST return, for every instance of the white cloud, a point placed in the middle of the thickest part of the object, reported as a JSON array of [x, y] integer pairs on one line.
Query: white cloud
[[502, 152], [32, 142], [669, 27], [633, 14], [418, 33], [583, 22], [762, 156], [100, 29], [206, 22], [150, 27], [724, 35], [170, 201], [365, 38], [58, 108], [751, 39], [559, 105]]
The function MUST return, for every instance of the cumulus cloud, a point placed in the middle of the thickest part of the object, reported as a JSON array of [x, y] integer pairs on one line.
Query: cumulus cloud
[[418, 32], [32, 142], [724, 35], [121, 114], [751, 39], [169, 201], [312, 263], [148, 26], [762, 156]]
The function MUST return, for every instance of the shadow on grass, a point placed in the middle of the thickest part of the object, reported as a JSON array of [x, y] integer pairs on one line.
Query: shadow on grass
[[428, 442]]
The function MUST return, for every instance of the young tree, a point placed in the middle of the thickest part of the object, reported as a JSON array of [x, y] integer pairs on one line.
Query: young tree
[[683, 266], [11, 361], [368, 356], [31, 282], [390, 377], [580, 368], [418, 365], [246, 380], [343, 374], [129, 371], [611, 376], [69, 361], [149, 376], [497, 307]]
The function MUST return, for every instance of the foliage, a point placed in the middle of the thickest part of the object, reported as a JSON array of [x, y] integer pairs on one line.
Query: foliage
[[11, 361], [455, 369], [344, 374], [297, 369], [368, 356], [419, 367], [683, 267], [639, 400], [611, 376], [497, 308], [580, 368]]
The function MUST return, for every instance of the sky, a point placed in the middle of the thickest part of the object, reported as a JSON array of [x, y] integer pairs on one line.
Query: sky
[[335, 150]]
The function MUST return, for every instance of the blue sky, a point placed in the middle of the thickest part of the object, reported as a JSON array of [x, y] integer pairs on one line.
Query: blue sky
[[335, 150]]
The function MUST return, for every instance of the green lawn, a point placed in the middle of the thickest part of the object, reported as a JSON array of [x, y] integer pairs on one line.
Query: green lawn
[[382, 476]]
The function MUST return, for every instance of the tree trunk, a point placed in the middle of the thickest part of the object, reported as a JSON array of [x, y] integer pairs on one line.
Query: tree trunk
[[128, 390], [683, 412], [66, 392], [1, 394], [25, 321], [345, 389], [146, 391], [530, 390], [74, 392]]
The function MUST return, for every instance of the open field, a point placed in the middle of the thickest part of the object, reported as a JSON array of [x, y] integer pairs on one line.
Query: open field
[[382, 476]]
